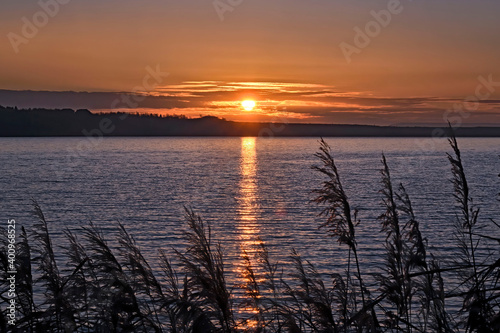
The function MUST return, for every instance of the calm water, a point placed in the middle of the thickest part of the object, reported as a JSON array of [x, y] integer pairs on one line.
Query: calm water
[[249, 189]]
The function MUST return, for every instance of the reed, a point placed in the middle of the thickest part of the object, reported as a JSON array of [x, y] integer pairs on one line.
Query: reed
[[102, 288], [340, 223]]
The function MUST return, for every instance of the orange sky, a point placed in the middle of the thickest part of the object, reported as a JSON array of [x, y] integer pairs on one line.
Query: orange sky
[[286, 55]]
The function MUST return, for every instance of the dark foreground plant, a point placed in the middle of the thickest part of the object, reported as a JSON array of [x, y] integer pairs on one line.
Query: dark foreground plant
[[104, 288]]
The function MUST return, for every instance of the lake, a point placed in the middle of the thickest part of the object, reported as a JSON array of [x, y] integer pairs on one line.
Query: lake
[[250, 190]]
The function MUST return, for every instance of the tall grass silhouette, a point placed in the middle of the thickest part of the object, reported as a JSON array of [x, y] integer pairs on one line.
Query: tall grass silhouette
[[114, 289]]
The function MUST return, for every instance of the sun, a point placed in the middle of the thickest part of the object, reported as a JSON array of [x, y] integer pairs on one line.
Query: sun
[[248, 105]]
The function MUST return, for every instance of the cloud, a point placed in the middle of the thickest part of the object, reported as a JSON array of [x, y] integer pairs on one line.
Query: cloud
[[291, 101]]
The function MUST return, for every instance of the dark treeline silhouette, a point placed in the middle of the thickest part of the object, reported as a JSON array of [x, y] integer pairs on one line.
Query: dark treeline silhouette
[[67, 122]]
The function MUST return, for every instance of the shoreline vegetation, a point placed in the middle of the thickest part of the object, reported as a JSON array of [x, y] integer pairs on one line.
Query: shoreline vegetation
[[103, 289], [66, 122]]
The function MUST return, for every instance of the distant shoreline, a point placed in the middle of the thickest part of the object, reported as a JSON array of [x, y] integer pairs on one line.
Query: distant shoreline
[[69, 123]]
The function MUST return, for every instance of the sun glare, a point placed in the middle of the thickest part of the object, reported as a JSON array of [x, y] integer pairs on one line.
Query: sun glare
[[248, 105]]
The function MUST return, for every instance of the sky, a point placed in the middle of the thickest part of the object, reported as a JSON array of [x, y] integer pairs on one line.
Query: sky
[[317, 61]]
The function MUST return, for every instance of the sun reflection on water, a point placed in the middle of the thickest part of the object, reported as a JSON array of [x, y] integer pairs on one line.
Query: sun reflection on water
[[248, 186], [248, 225]]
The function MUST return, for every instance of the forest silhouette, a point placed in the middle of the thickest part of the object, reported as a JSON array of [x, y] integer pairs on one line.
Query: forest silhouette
[[16, 122]]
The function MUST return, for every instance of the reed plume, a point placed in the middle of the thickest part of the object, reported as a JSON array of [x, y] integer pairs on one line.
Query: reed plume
[[340, 218], [478, 300]]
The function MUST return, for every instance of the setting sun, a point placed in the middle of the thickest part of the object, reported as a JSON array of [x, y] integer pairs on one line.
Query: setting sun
[[248, 105]]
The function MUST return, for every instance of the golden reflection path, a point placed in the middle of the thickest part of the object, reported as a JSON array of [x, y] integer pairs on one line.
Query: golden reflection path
[[248, 225]]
